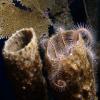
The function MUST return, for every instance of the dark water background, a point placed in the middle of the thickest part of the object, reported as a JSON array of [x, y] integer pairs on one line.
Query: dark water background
[[6, 92]]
